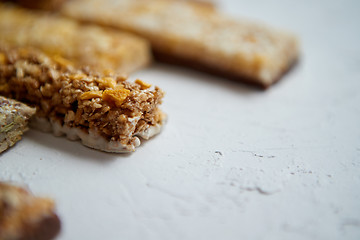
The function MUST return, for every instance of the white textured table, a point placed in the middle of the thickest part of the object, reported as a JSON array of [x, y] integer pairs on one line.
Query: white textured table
[[233, 162]]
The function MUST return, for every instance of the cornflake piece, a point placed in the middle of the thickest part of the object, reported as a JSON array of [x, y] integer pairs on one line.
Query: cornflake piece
[[143, 84], [14, 117], [73, 43], [116, 97], [90, 95], [78, 103], [106, 82], [198, 36], [24, 216]]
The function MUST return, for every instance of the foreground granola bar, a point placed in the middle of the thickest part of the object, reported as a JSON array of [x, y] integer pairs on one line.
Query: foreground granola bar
[[14, 117], [198, 36], [106, 112], [26, 217], [84, 45]]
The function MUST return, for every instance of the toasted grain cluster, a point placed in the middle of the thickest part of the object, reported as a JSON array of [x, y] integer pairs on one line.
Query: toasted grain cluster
[[197, 35], [84, 45], [24, 216], [113, 107]]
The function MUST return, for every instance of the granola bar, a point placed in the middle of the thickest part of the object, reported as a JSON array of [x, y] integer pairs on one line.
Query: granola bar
[[24, 216], [84, 45], [14, 117], [198, 36], [105, 111]]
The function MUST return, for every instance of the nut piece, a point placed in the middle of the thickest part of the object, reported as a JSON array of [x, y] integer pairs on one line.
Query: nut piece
[[143, 85], [116, 97]]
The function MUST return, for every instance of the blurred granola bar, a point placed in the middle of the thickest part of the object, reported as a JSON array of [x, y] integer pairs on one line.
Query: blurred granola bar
[[26, 217], [192, 34], [84, 45]]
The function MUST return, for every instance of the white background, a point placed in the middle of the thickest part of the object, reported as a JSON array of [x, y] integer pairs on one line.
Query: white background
[[233, 162]]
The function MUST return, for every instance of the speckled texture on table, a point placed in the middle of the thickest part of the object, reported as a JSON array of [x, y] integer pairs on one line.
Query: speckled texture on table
[[233, 162]]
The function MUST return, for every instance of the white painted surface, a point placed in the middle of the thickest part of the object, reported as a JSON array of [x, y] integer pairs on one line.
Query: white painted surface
[[233, 162]]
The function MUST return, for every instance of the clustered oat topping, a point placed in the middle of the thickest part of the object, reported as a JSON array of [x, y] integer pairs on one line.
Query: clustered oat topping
[[116, 108]]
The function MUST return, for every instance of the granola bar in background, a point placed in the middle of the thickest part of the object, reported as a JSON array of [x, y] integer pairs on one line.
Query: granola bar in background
[[84, 45], [192, 34]]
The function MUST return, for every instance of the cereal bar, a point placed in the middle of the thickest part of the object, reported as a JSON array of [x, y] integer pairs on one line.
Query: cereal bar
[[198, 36], [84, 45], [105, 111]]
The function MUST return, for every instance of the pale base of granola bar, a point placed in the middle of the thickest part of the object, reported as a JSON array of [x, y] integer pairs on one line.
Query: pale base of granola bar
[[93, 139]]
